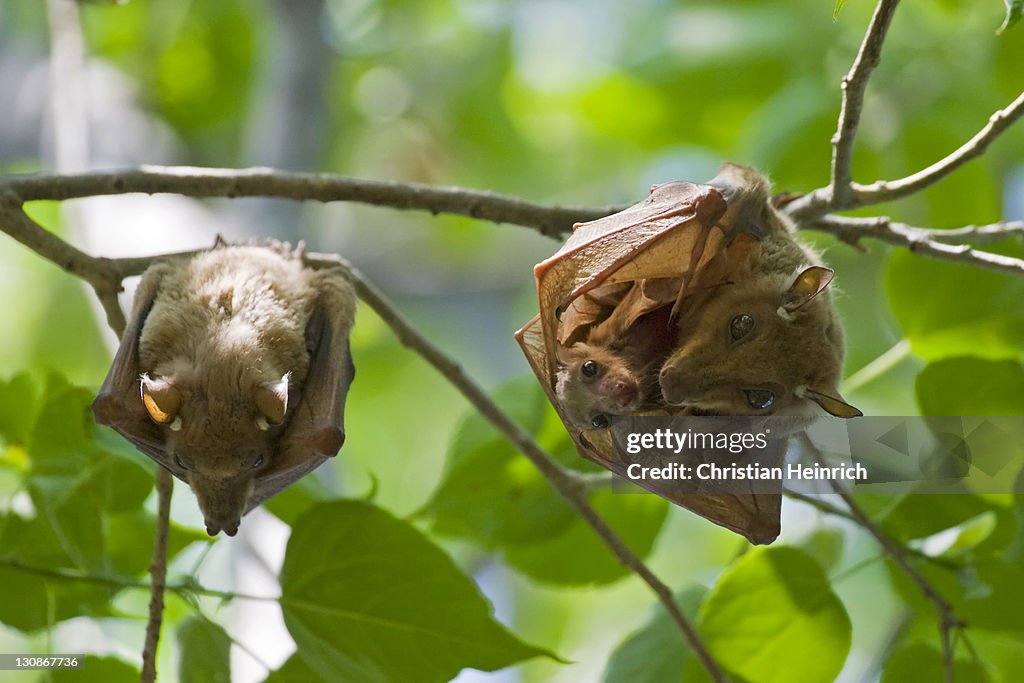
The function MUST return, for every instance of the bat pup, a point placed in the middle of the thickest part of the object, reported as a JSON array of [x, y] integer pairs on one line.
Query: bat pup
[[233, 373], [614, 371], [770, 343]]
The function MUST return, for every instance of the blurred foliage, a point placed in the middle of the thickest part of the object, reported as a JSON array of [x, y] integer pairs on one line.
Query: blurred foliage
[[572, 102]]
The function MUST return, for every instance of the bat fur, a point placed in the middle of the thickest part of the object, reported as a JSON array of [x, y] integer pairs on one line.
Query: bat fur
[[225, 341], [770, 343]]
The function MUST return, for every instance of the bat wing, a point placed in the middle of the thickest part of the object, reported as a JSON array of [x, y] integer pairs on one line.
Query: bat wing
[[755, 516], [316, 428], [119, 401], [664, 236]]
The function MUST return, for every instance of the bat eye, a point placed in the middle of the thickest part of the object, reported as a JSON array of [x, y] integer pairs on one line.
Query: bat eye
[[589, 369], [599, 421], [258, 461], [741, 326], [761, 399], [181, 463]]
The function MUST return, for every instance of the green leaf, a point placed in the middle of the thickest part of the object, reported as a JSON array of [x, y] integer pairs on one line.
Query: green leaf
[[203, 652], [98, 670], [491, 494], [770, 604], [130, 540], [971, 386], [652, 654], [1014, 10], [367, 597], [921, 662], [576, 556], [18, 406], [294, 670], [839, 7], [73, 481], [966, 312], [919, 516], [959, 539], [31, 600], [290, 503]]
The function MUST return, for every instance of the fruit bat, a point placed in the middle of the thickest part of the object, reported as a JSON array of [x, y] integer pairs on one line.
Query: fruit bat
[[683, 248], [232, 373], [770, 343]]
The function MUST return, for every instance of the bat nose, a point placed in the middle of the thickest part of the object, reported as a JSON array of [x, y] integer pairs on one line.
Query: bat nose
[[232, 528], [212, 529], [625, 393]]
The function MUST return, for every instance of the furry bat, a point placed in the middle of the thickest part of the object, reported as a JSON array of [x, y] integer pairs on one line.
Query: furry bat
[[233, 372], [770, 343], [677, 246], [615, 371]]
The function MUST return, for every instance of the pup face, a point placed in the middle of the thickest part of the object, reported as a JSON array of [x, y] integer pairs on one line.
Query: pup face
[[593, 383]]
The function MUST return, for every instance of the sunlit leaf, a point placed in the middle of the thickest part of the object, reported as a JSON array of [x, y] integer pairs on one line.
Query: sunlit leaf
[[367, 597], [203, 652], [770, 604], [97, 670]]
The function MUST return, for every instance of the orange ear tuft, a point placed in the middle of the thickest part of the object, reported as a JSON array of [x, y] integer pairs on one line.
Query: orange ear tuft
[[833, 405], [161, 398], [808, 284]]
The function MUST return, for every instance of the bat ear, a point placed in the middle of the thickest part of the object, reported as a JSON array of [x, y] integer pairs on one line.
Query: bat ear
[[272, 400], [833, 405], [162, 400], [808, 284]]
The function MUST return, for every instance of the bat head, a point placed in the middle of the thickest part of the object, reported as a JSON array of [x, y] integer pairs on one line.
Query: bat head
[[767, 345], [593, 382], [219, 436]]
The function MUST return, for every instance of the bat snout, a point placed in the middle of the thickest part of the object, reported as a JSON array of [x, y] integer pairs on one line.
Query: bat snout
[[214, 528], [625, 392]]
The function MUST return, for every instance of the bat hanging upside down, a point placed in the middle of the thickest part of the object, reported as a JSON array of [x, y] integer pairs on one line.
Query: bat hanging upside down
[[233, 372]]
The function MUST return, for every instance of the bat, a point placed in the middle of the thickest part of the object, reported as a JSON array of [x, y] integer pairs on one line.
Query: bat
[[685, 248], [232, 373], [614, 371], [770, 343]]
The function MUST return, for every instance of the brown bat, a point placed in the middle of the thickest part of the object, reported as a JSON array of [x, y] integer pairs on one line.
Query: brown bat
[[614, 371], [691, 243], [233, 373], [770, 343]]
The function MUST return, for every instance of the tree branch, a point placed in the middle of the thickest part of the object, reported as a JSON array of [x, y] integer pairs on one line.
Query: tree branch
[[157, 574], [18, 225], [818, 202], [887, 190], [98, 272], [948, 621], [932, 243], [564, 483], [552, 221], [853, 85]]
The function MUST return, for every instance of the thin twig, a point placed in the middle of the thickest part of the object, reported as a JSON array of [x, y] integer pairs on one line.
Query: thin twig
[[853, 85], [553, 221], [98, 272], [185, 590], [566, 485], [920, 240], [948, 621], [157, 574], [884, 191], [820, 201]]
